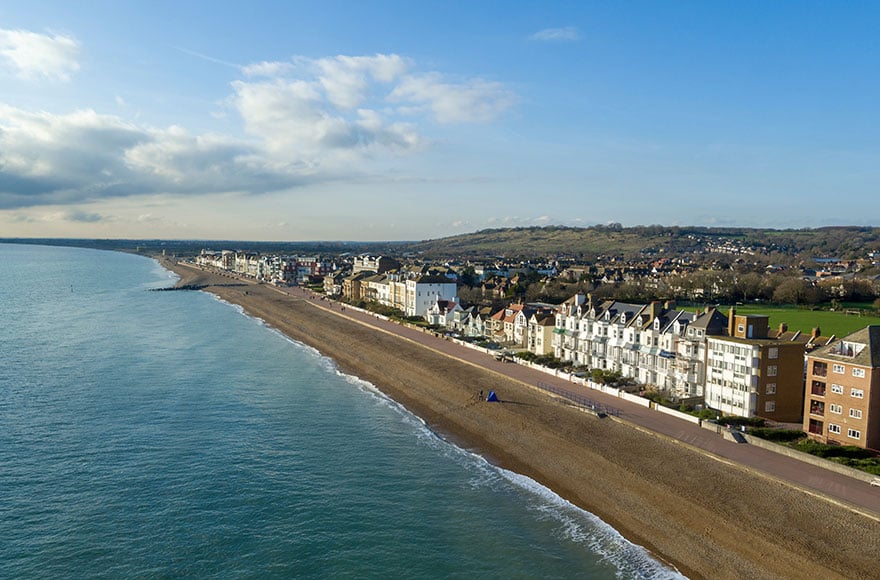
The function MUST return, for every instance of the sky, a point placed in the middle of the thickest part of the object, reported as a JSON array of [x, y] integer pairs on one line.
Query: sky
[[402, 120]]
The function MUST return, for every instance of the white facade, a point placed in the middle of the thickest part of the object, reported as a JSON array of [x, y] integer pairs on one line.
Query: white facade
[[731, 377], [653, 344], [422, 293]]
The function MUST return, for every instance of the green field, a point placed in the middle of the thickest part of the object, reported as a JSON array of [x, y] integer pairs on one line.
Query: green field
[[837, 323]]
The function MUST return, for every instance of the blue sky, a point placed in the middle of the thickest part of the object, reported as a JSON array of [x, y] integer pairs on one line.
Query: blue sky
[[414, 120]]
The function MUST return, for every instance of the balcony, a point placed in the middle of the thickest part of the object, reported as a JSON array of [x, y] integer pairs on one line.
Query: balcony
[[816, 427], [817, 388], [817, 408], [820, 369]]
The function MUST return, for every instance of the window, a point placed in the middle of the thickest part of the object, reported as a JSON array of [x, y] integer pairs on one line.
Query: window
[[740, 328], [771, 370], [837, 389], [855, 413], [836, 409], [857, 393], [769, 406], [839, 369], [773, 352], [853, 434], [771, 389], [832, 428], [859, 373]]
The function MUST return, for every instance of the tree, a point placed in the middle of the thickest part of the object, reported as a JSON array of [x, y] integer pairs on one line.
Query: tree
[[797, 291], [468, 276], [750, 286]]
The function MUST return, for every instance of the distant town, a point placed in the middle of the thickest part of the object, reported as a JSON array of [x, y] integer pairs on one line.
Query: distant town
[[634, 324]]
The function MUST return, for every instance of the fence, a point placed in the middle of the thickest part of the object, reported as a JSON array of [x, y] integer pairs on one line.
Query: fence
[[580, 400]]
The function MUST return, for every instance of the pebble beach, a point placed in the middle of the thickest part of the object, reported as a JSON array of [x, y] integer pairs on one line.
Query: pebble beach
[[706, 518]]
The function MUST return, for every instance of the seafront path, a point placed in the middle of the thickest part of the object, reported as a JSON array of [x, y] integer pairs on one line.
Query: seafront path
[[822, 484], [809, 478]]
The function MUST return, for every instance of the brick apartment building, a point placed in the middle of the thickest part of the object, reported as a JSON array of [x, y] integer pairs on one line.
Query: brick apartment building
[[842, 403], [756, 371]]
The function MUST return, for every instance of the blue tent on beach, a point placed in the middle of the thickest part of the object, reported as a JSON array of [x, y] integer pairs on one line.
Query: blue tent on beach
[[492, 397]]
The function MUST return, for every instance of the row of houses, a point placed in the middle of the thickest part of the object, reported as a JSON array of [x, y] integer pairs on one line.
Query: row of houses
[[414, 293], [283, 270], [736, 363]]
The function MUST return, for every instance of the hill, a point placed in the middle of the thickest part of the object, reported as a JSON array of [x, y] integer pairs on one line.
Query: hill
[[558, 242], [844, 242]]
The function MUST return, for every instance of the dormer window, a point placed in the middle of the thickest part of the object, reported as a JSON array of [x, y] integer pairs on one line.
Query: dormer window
[[846, 348]]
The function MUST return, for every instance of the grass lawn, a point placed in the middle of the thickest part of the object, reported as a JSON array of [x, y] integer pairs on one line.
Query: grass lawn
[[837, 323]]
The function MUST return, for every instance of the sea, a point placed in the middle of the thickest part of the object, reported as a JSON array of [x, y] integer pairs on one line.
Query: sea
[[165, 434]]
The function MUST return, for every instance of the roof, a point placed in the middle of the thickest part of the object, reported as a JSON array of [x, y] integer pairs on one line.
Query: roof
[[667, 319], [433, 279], [785, 338], [545, 319], [711, 320], [868, 356]]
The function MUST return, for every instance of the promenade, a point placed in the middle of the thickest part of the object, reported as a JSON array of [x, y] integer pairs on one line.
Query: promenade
[[816, 481]]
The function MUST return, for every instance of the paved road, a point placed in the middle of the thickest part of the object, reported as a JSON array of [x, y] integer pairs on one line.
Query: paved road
[[812, 479]]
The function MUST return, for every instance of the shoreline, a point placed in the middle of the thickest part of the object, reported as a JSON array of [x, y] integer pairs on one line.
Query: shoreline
[[703, 517]]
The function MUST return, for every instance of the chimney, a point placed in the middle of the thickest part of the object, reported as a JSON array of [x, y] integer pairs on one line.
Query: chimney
[[669, 304], [782, 328], [731, 322], [816, 333]]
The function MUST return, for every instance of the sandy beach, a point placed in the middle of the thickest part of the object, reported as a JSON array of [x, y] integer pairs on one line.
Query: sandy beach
[[706, 518]]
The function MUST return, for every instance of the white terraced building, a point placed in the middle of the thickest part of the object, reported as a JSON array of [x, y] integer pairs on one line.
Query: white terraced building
[[653, 344]]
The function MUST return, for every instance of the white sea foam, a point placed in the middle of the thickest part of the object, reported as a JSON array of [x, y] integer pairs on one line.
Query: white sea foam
[[576, 524], [167, 278], [583, 527]]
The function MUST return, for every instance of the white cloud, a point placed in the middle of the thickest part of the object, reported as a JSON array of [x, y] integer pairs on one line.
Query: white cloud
[[267, 69], [305, 121], [30, 55], [74, 215], [65, 159], [566, 34], [346, 78], [473, 101], [294, 121]]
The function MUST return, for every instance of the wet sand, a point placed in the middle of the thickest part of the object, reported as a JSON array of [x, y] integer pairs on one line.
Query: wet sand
[[708, 519]]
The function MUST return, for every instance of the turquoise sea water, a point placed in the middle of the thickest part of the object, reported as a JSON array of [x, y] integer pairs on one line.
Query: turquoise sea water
[[157, 434]]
